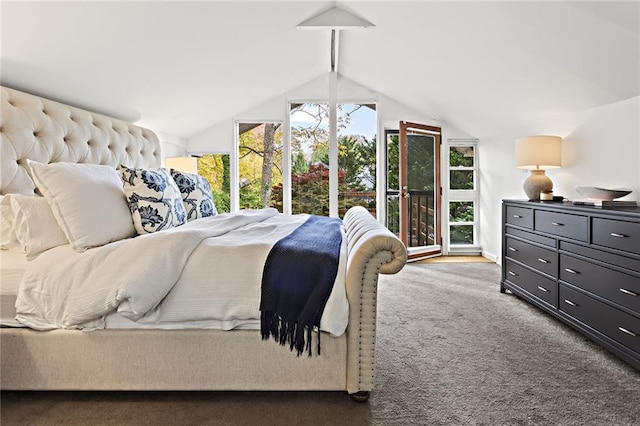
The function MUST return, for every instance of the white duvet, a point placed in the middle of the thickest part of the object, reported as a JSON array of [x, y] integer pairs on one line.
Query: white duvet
[[207, 271]]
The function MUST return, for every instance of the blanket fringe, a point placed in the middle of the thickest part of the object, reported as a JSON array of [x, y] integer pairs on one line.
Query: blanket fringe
[[298, 336]]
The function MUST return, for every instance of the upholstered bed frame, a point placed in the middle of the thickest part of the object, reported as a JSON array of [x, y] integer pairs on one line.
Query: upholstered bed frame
[[35, 128]]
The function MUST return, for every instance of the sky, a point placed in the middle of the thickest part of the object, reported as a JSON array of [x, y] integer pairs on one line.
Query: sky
[[363, 122]]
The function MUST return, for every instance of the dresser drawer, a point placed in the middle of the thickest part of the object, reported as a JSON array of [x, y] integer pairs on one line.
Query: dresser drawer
[[530, 236], [616, 234], [566, 225], [539, 286], [542, 259], [621, 288], [520, 216], [603, 256], [618, 325]]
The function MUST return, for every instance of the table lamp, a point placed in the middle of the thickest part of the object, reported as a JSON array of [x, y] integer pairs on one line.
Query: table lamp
[[538, 153]]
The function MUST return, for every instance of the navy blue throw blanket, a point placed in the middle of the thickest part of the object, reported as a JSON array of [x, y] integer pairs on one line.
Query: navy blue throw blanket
[[297, 280]]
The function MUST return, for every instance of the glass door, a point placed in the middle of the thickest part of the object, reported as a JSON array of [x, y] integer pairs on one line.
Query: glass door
[[414, 190]]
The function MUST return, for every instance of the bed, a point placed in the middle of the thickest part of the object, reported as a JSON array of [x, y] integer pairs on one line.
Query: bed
[[191, 358]]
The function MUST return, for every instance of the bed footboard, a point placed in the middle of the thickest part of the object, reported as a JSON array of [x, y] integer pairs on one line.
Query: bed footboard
[[373, 250]]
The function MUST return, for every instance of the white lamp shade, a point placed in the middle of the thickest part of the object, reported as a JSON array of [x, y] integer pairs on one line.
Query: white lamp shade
[[539, 152], [183, 164]]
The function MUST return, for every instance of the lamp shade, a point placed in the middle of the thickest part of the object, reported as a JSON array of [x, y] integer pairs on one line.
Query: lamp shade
[[539, 152], [183, 164], [336, 19]]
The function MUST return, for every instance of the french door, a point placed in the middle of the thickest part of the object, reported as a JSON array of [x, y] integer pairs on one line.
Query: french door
[[414, 189]]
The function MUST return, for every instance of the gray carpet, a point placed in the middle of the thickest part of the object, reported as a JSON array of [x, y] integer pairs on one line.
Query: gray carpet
[[451, 350]]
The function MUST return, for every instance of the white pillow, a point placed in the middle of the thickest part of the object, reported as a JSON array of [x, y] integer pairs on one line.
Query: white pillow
[[196, 194], [8, 239], [34, 225], [154, 199], [87, 201]]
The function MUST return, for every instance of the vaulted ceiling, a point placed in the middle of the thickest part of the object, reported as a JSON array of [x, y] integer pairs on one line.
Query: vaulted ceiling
[[180, 67]]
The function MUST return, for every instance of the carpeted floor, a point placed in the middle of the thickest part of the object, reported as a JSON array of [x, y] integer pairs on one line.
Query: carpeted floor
[[451, 350]]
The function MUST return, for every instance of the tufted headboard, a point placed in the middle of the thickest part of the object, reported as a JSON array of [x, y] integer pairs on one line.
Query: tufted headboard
[[46, 131]]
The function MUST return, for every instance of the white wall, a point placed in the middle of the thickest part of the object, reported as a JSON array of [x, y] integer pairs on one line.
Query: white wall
[[601, 147], [172, 146], [220, 137]]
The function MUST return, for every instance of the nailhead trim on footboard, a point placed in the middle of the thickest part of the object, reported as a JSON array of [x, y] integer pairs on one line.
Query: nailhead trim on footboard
[[372, 250]]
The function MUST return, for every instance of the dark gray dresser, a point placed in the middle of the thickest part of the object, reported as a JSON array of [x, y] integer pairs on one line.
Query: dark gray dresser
[[580, 264]]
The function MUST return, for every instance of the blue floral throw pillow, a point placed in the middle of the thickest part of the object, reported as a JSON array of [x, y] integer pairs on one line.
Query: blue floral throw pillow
[[196, 194], [154, 199]]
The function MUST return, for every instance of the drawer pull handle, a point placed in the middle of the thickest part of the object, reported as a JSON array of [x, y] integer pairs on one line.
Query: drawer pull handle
[[571, 271], [542, 260], [517, 216], [557, 224], [543, 289], [569, 302], [630, 293], [615, 234], [629, 332], [512, 249], [512, 273]]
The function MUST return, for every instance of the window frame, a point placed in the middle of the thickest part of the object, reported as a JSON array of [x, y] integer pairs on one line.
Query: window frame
[[463, 195]]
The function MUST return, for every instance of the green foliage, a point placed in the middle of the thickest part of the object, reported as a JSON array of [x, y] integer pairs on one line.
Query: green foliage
[[250, 195], [222, 200], [461, 211], [461, 234], [420, 162], [215, 169], [357, 157], [461, 179], [461, 156], [299, 164], [393, 162], [253, 153]]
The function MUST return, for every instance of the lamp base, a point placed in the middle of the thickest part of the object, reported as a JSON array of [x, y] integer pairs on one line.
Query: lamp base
[[536, 182]]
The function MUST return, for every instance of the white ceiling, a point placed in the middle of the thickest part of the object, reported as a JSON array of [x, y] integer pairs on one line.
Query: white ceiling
[[182, 67]]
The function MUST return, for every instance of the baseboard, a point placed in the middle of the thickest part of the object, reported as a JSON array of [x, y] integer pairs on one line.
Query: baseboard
[[491, 257]]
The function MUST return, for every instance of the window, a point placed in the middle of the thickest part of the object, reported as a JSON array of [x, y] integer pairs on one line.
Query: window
[[215, 169], [356, 157], [463, 196], [356, 139], [310, 158], [260, 165]]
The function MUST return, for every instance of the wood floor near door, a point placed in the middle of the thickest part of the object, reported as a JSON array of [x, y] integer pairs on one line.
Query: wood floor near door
[[453, 259]]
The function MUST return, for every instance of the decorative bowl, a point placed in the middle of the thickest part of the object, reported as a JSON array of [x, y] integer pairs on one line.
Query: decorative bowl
[[596, 193]]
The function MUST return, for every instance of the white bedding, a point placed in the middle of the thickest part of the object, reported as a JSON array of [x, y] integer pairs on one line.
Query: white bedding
[[204, 274], [13, 265]]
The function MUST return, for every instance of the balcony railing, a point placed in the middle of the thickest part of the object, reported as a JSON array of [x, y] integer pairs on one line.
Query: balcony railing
[[421, 213], [421, 216]]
